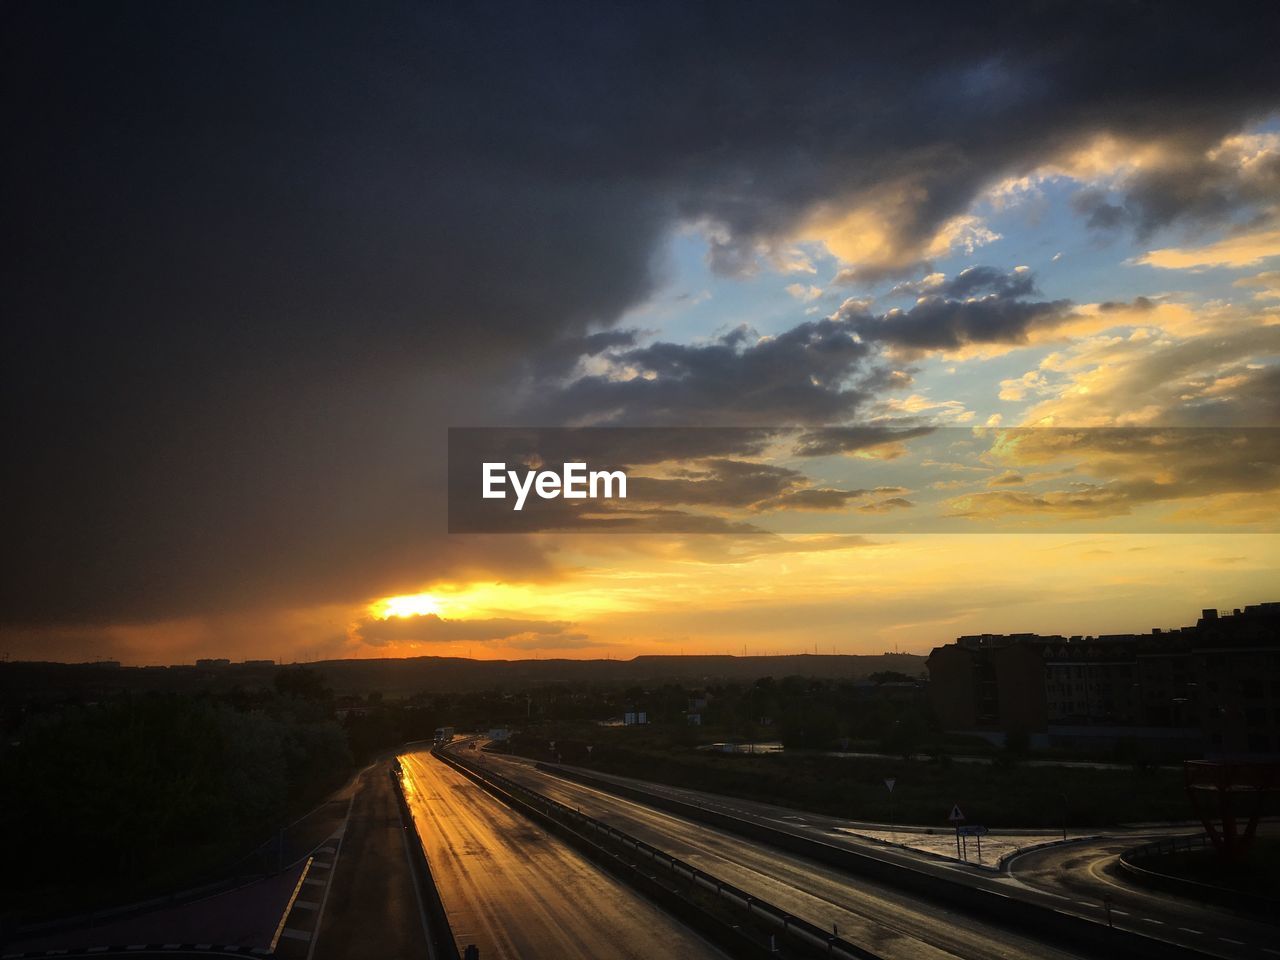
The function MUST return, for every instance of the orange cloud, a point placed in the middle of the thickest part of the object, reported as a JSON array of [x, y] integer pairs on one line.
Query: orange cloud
[[1243, 250]]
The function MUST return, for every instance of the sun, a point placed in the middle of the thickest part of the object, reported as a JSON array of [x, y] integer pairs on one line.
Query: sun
[[410, 605]]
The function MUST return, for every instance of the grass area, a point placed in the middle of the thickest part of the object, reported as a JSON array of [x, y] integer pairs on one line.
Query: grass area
[[1004, 794]]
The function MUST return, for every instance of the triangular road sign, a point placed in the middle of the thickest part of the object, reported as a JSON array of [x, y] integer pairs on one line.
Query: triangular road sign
[[889, 782], [956, 815]]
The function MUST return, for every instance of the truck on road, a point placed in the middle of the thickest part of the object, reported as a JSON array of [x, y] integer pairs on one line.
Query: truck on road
[[444, 735]]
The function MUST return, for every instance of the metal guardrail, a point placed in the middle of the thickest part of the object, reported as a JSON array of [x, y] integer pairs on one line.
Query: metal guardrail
[[804, 933], [1168, 845], [1142, 866]]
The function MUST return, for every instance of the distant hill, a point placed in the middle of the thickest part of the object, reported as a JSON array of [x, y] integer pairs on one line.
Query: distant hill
[[400, 677]]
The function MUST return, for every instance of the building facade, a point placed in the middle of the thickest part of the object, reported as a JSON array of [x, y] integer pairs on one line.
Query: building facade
[[1209, 690]]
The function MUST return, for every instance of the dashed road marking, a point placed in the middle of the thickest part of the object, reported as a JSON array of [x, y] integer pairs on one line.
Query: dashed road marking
[[1192, 930], [1238, 943], [288, 908]]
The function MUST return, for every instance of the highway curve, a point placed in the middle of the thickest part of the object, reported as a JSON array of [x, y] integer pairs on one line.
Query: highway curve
[[876, 916], [517, 893], [1087, 870]]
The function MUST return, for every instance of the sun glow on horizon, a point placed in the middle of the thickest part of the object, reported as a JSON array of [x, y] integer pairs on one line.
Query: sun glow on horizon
[[408, 605]]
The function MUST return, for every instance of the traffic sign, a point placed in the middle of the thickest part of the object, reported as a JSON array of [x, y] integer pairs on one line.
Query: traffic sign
[[889, 782], [955, 814], [973, 830]]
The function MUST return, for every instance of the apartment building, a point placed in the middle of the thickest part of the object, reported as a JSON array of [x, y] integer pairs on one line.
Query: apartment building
[[1212, 689]]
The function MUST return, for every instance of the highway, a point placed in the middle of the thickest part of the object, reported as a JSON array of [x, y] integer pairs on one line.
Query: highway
[[1213, 931], [364, 906], [875, 916], [517, 893], [1087, 869]]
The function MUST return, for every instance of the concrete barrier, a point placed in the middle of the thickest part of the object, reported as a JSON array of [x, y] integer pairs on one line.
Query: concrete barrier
[[443, 945]]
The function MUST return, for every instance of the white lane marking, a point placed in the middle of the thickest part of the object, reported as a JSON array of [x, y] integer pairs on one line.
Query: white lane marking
[[1238, 943], [288, 907], [1192, 930], [335, 843], [296, 934]]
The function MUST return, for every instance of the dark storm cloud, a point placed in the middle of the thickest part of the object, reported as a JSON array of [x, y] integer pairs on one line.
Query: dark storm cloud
[[799, 376], [936, 323], [1094, 204], [1137, 304], [985, 281], [258, 257], [1201, 191], [972, 282]]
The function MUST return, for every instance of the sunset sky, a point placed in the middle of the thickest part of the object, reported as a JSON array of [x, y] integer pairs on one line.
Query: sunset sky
[[259, 261]]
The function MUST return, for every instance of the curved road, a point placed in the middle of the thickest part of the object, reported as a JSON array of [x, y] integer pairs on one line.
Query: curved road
[[517, 893], [875, 916], [1086, 872]]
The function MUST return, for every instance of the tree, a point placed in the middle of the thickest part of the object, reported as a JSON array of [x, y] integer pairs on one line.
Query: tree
[[302, 683]]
